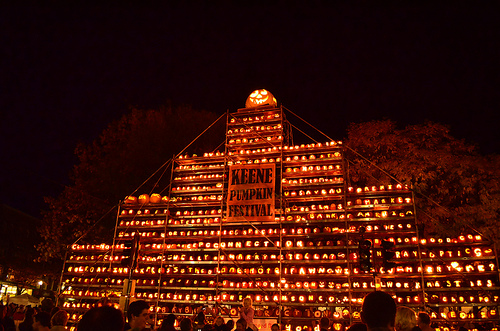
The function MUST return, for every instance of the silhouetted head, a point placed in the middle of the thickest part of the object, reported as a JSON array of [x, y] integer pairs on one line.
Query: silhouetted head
[[105, 318], [379, 310]]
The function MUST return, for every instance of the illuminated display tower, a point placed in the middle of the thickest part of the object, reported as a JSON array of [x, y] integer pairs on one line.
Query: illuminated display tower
[[276, 222]]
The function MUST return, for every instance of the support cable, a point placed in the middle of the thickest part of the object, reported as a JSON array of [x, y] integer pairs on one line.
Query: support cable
[[192, 142], [305, 134], [389, 175], [166, 165]]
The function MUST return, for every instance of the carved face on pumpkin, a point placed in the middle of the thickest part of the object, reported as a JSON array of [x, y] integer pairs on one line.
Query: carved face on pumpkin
[[259, 98]]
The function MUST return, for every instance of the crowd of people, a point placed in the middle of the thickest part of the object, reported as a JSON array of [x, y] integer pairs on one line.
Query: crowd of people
[[45, 317], [139, 317], [379, 313]]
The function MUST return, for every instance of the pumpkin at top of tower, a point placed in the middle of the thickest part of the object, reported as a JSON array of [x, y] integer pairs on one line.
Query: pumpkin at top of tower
[[259, 98]]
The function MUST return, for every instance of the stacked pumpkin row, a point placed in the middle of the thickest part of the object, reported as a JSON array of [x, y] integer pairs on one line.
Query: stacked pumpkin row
[[143, 199], [254, 128], [197, 178], [250, 119], [268, 139], [200, 167]]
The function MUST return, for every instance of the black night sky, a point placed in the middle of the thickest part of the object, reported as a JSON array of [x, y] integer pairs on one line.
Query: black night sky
[[67, 71]]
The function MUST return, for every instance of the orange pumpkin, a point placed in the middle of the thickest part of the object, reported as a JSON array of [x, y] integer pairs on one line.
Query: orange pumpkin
[[144, 198], [155, 198], [259, 98], [130, 199]]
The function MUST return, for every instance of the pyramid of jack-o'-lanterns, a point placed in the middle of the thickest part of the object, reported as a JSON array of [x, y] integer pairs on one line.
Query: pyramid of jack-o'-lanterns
[[276, 222]]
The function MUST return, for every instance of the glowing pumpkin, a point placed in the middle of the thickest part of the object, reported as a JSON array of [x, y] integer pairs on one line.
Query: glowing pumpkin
[[144, 198], [492, 313], [346, 313], [259, 98], [155, 198], [130, 199]]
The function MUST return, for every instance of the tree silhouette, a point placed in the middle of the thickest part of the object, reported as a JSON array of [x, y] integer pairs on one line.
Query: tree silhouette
[[457, 189], [126, 154]]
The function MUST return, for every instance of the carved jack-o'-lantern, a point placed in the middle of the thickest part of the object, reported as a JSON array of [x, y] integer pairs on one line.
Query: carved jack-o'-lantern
[[155, 198], [144, 198], [259, 98], [492, 313], [130, 199], [346, 313]]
